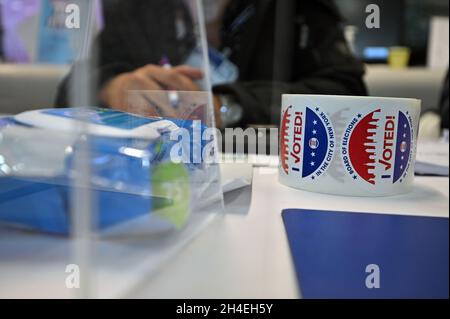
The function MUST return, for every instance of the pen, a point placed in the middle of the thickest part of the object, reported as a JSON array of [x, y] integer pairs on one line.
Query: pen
[[173, 95]]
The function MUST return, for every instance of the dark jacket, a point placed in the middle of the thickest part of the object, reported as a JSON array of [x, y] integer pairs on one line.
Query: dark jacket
[[289, 46]]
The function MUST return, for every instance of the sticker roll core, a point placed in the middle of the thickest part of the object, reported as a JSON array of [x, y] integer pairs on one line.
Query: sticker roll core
[[346, 145]]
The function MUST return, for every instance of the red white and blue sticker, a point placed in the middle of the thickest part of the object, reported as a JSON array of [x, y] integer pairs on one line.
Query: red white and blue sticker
[[307, 142], [377, 146]]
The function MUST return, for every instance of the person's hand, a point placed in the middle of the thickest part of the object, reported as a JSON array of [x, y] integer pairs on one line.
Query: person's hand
[[116, 93]]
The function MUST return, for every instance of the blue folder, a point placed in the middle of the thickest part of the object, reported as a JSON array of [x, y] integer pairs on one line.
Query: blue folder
[[331, 251]]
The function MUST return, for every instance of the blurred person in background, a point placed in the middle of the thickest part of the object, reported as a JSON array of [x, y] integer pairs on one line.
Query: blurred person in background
[[301, 51]]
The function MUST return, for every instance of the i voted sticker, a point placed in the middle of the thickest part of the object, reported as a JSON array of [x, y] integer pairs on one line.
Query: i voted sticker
[[307, 142], [348, 145], [377, 146]]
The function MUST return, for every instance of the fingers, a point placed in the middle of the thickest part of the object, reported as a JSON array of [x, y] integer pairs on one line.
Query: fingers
[[138, 104], [159, 100], [171, 79], [119, 93], [141, 82], [193, 73], [148, 98], [133, 98], [144, 91]]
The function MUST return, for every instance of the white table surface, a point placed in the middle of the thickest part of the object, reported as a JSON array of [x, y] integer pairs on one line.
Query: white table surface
[[247, 255], [241, 254]]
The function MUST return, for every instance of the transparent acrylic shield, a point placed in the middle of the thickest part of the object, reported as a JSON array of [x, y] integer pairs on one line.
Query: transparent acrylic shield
[[36, 249], [98, 194]]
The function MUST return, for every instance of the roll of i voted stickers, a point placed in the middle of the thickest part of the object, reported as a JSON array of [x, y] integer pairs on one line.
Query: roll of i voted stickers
[[344, 145]]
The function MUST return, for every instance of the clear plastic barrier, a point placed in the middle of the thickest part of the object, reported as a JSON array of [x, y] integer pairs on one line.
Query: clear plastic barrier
[[118, 170]]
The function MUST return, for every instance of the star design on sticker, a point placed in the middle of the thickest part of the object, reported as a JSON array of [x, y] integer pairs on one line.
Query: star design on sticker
[[359, 116], [313, 178], [355, 177], [404, 135], [405, 126], [317, 109], [401, 166], [314, 132], [313, 164], [313, 154], [402, 158], [315, 122]]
